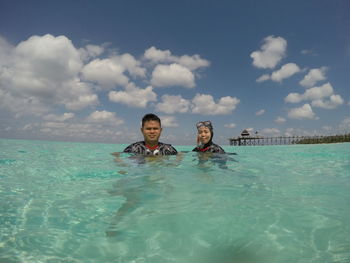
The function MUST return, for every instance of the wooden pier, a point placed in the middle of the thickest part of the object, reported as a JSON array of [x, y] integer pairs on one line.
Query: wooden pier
[[286, 140]]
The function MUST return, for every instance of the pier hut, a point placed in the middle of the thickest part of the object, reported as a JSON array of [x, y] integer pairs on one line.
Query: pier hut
[[244, 139], [245, 133]]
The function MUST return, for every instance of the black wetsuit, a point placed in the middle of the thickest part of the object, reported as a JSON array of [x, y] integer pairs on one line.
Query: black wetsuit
[[209, 147], [141, 148]]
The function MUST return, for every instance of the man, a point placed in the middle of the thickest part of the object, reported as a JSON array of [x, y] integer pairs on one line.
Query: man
[[151, 130]]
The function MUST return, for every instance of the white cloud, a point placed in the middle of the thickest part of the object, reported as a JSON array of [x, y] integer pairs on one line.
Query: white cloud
[[158, 56], [193, 62], [21, 106], [314, 75], [172, 75], [76, 95], [90, 51], [104, 117], [230, 125], [293, 98], [132, 65], [133, 96], [280, 120], [271, 52], [260, 112], [303, 112], [318, 97], [284, 72], [111, 72], [333, 102], [164, 56], [263, 78], [171, 104], [316, 93], [169, 121], [349, 103], [41, 73], [107, 73], [205, 104], [59, 118]]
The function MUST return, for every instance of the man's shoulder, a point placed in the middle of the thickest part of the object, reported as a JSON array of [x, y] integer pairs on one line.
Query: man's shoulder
[[167, 148], [134, 147]]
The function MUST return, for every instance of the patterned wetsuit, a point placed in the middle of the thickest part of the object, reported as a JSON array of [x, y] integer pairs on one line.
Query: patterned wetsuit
[[140, 148], [211, 148]]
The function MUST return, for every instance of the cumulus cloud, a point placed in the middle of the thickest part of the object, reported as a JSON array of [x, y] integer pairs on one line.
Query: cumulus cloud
[[230, 125], [132, 65], [169, 121], [172, 75], [133, 96], [318, 96], [22, 105], [59, 118], [76, 95], [314, 76], [164, 56], [90, 51], [284, 72], [173, 103], [333, 102], [43, 72], [260, 112], [303, 112], [111, 72], [104, 117], [270, 53], [263, 78], [315, 93], [158, 56], [280, 120], [205, 104], [107, 73]]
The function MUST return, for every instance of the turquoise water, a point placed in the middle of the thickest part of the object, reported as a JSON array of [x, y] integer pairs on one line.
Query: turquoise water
[[75, 202]]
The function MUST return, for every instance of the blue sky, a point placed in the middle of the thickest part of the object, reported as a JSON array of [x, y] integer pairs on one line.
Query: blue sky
[[89, 70]]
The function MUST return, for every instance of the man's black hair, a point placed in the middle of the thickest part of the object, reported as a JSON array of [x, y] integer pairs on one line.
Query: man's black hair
[[150, 117]]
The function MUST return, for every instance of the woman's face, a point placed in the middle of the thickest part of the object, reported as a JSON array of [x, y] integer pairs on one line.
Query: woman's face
[[204, 135]]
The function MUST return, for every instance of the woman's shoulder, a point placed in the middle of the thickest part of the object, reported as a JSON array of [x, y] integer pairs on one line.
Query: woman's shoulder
[[217, 148]]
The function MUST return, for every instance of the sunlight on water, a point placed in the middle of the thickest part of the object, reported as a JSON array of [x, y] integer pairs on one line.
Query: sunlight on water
[[74, 202]]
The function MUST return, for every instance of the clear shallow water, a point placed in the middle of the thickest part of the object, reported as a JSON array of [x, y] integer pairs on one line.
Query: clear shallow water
[[73, 202]]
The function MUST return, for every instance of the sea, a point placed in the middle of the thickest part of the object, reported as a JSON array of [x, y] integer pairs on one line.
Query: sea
[[87, 202]]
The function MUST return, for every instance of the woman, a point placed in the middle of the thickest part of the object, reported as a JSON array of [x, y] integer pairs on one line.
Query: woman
[[205, 138]]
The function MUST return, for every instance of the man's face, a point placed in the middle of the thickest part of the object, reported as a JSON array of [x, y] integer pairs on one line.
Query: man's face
[[151, 131]]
